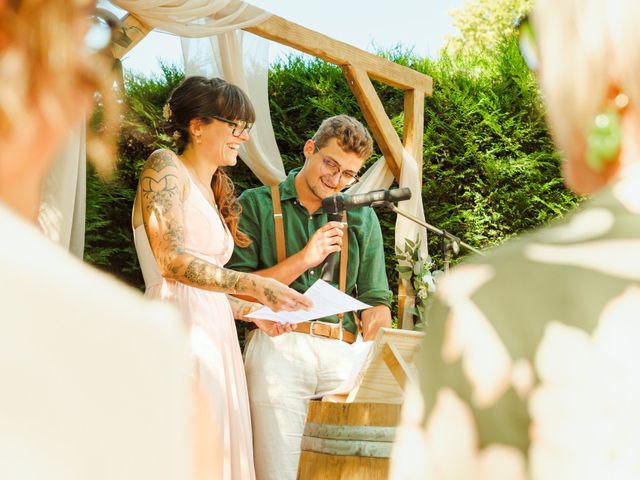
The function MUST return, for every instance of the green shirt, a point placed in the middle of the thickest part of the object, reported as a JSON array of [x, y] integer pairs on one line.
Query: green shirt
[[366, 274]]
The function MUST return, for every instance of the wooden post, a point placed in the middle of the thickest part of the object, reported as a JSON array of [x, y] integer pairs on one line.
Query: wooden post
[[376, 117], [135, 30], [412, 136]]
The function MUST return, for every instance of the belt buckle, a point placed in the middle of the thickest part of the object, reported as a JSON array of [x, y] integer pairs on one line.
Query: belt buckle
[[329, 324]]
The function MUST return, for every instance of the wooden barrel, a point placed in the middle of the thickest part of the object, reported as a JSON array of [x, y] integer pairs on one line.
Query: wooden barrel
[[348, 441]]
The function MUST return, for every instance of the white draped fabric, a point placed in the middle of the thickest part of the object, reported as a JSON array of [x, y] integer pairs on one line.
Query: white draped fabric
[[194, 18], [62, 208], [378, 176], [242, 59]]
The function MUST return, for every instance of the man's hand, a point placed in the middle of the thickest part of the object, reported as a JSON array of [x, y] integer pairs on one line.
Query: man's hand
[[373, 319], [327, 239], [273, 329]]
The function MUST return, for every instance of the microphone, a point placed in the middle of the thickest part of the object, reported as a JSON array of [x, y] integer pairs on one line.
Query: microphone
[[329, 271], [341, 201]]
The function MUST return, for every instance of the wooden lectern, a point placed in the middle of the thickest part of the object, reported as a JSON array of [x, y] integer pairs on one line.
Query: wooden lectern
[[350, 436]]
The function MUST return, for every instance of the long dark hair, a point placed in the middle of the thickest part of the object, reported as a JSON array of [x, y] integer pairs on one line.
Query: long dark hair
[[202, 98]]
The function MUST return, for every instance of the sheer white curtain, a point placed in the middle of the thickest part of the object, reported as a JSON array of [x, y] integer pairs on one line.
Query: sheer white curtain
[[378, 176], [242, 59], [62, 211], [214, 45], [62, 208]]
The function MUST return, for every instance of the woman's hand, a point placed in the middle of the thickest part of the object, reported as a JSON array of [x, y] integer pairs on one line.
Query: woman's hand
[[273, 329], [278, 297]]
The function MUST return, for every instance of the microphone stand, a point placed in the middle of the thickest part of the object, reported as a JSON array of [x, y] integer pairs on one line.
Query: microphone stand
[[448, 242]]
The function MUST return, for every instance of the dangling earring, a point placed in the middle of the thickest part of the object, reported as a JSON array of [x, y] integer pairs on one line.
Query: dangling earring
[[605, 135], [198, 140]]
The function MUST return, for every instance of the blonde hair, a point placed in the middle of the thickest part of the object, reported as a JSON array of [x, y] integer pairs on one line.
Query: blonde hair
[[586, 47], [42, 68]]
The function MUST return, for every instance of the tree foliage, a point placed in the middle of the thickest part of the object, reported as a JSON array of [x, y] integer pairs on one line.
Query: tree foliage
[[483, 23]]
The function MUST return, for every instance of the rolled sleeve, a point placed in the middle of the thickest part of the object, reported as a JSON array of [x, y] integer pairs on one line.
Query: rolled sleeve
[[373, 286]]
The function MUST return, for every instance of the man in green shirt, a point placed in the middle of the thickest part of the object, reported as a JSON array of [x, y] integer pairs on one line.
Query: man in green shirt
[[282, 370]]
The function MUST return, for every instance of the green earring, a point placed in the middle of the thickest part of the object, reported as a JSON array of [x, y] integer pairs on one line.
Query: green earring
[[603, 140]]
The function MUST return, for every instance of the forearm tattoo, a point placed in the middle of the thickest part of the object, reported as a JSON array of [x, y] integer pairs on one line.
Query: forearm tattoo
[[203, 274], [240, 308]]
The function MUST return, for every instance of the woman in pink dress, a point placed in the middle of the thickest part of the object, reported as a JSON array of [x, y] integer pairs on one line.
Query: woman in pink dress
[[185, 223]]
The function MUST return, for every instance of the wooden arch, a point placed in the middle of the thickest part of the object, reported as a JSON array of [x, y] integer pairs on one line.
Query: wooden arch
[[359, 67]]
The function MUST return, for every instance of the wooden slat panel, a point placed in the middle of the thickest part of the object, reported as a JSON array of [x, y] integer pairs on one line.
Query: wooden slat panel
[[136, 31], [376, 117], [308, 41], [375, 382]]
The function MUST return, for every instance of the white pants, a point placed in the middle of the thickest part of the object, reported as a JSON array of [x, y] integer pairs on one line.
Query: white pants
[[280, 372]]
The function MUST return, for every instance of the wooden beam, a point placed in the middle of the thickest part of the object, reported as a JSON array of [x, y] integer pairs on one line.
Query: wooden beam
[[414, 124], [376, 117], [339, 53], [397, 364], [135, 30]]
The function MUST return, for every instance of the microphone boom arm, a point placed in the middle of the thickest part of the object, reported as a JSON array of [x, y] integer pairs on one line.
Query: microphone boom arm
[[431, 228]]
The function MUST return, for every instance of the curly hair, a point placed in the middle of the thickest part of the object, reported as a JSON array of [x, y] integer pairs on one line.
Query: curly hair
[[229, 206], [351, 135], [41, 65]]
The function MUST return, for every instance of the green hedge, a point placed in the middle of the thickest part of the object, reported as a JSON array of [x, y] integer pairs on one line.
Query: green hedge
[[489, 167]]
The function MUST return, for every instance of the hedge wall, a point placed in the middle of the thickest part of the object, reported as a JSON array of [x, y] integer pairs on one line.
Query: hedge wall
[[489, 167]]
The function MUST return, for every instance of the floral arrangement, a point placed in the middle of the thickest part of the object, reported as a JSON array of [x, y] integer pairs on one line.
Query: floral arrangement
[[418, 270]]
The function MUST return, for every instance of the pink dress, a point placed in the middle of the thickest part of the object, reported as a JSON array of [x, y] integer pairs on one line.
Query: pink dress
[[214, 342]]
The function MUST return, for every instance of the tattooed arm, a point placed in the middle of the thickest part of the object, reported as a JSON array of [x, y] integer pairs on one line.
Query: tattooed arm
[[162, 185], [240, 308]]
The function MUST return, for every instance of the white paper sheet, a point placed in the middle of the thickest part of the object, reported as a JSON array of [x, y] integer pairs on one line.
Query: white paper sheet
[[327, 300], [361, 351]]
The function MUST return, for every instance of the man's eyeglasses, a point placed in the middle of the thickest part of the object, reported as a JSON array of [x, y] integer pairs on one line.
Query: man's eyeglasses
[[528, 44], [239, 127], [331, 168]]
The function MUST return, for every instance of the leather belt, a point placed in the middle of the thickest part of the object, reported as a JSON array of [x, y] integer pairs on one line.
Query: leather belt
[[326, 330]]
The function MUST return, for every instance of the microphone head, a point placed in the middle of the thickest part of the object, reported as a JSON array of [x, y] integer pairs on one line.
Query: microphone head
[[333, 203], [398, 194]]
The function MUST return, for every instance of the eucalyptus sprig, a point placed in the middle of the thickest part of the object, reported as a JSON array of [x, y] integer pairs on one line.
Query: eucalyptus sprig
[[418, 269]]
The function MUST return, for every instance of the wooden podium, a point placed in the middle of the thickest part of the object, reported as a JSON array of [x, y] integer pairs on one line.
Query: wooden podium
[[350, 436]]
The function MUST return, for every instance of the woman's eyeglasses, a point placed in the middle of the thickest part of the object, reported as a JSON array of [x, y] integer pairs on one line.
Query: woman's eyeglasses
[[239, 127], [102, 31], [528, 44]]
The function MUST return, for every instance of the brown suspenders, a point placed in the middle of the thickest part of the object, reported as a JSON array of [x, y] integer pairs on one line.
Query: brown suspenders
[[280, 242], [277, 219]]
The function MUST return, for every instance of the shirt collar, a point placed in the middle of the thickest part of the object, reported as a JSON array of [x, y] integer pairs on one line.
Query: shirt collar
[[288, 188]]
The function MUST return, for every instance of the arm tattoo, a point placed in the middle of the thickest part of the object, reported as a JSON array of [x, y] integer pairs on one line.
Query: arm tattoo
[[240, 308], [160, 159], [270, 295], [159, 194], [203, 274]]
